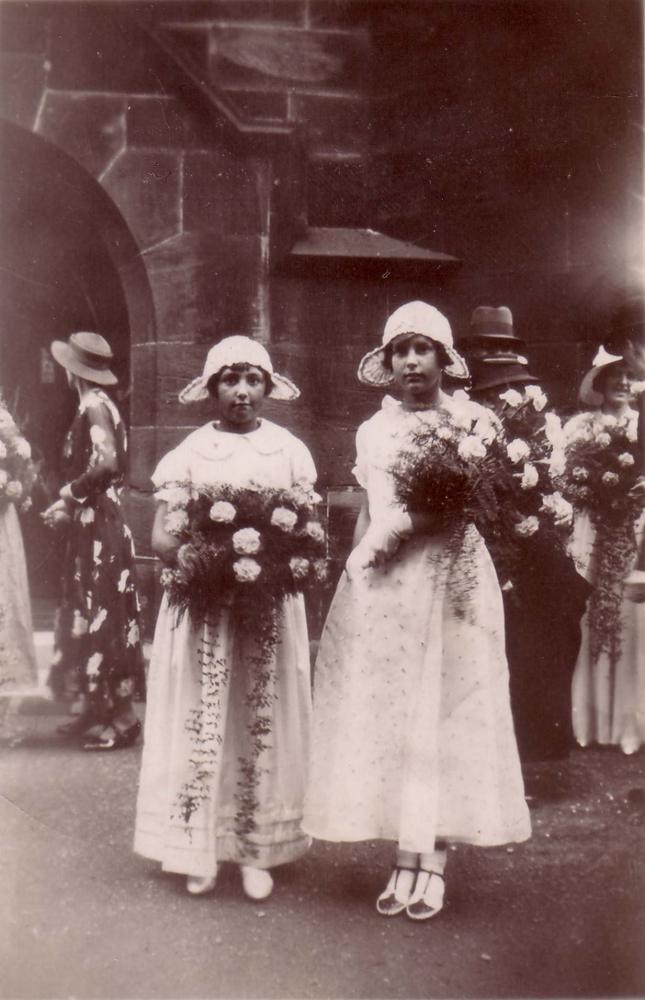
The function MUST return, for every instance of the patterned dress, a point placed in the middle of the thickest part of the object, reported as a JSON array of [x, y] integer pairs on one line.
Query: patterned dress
[[269, 456], [97, 644], [412, 737]]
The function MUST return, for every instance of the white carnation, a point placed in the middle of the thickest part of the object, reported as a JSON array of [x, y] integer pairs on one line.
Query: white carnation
[[246, 570], [246, 541], [284, 519], [517, 450], [222, 512]]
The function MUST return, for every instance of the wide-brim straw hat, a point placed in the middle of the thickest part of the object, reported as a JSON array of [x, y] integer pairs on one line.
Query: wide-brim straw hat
[[238, 350], [496, 372], [87, 355], [412, 318], [586, 393]]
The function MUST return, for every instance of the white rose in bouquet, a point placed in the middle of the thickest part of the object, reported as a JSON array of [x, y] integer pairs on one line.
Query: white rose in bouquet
[[553, 430], [603, 439], [222, 512], [246, 541], [579, 474], [321, 570], [558, 507], [517, 450], [626, 459], [557, 462], [512, 397], [284, 519], [246, 570], [611, 478]]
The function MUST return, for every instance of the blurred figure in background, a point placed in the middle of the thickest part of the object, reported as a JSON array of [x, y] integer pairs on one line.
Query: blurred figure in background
[[17, 475], [546, 599], [98, 652]]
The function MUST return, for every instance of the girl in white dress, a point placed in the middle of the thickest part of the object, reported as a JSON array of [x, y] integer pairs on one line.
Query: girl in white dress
[[239, 449], [413, 737], [608, 693]]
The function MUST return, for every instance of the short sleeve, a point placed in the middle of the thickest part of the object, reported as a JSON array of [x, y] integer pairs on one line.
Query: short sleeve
[[302, 465], [173, 468], [360, 466]]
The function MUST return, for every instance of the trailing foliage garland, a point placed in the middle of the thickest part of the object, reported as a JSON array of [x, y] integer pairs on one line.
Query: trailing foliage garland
[[242, 552], [600, 469], [447, 474], [17, 473]]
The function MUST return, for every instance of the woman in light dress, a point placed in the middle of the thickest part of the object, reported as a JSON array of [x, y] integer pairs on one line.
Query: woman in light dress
[[608, 694], [239, 449], [413, 738], [17, 651]]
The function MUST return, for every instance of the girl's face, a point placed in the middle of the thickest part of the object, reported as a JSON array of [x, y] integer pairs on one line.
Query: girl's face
[[617, 387], [240, 395], [416, 367]]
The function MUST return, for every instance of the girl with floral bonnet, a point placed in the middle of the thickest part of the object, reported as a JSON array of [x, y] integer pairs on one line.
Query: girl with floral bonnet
[[608, 690], [255, 826], [413, 738]]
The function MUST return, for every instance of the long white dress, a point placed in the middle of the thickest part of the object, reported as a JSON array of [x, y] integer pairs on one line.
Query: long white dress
[[270, 456], [17, 651], [608, 700], [413, 738]]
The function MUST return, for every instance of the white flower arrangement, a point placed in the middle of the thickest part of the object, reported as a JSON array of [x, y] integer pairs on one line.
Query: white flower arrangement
[[537, 397], [315, 530], [603, 439], [512, 397], [626, 459], [299, 567], [176, 521], [471, 447], [611, 478], [556, 505]]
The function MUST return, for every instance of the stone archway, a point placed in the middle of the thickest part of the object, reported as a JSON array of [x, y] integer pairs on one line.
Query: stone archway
[[67, 261]]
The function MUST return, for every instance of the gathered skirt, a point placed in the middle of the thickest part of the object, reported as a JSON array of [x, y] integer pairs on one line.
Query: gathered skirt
[[413, 737], [176, 694]]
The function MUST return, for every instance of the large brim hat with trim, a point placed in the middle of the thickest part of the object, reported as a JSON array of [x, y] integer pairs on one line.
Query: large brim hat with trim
[[586, 393], [87, 355], [412, 318], [238, 350], [497, 372]]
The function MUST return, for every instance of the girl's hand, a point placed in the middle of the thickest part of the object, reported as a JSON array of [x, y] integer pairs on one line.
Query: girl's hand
[[380, 542], [56, 515]]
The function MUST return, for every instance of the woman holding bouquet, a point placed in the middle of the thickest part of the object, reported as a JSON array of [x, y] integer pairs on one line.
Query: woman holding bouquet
[[608, 690], [17, 651], [413, 737], [96, 641], [227, 724]]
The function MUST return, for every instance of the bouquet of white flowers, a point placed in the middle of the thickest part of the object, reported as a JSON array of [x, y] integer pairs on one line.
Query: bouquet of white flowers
[[17, 473]]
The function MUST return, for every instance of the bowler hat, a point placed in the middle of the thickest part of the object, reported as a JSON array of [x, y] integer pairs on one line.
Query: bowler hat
[[491, 326], [86, 354]]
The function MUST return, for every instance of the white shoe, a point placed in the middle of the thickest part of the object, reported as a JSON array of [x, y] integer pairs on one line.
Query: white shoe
[[198, 885], [257, 882], [427, 899]]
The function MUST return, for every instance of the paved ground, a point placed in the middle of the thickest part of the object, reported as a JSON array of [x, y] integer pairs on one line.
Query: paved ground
[[83, 917]]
